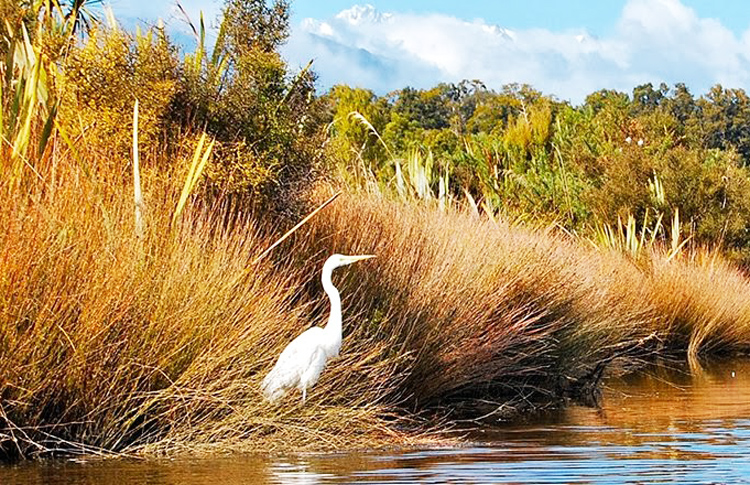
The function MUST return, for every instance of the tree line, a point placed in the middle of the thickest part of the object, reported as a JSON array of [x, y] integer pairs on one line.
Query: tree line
[[658, 151]]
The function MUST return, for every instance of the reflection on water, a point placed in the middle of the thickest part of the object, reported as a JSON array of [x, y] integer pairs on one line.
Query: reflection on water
[[658, 427]]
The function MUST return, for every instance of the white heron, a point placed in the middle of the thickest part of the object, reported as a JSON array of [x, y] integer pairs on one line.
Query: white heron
[[302, 361]]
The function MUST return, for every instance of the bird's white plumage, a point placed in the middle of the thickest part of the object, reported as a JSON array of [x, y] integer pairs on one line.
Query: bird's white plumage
[[303, 360], [299, 365]]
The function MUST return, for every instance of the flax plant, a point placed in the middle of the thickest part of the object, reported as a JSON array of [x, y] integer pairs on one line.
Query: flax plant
[[25, 98], [200, 158]]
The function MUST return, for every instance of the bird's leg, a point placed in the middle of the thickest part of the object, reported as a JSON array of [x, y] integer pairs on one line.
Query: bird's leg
[[304, 394]]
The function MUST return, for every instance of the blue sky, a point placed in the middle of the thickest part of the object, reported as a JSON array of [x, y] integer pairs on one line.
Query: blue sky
[[565, 48], [596, 16]]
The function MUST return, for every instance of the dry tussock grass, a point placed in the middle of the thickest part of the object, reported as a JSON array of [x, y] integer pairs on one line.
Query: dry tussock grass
[[470, 311], [114, 343], [111, 343], [473, 310], [702, 304]]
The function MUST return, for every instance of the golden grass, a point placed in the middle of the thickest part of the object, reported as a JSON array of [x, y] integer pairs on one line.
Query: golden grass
[[702, 303], [111, 343], [474, 310], [470, 311]]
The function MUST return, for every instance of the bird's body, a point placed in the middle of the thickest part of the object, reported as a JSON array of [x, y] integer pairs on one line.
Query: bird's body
[[300, 364], [303, 360]]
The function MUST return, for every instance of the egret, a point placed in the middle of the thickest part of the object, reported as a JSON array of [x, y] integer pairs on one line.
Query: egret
[[302, 361]]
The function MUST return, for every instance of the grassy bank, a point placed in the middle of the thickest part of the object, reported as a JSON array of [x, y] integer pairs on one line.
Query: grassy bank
[[110, 342], [486, 310]]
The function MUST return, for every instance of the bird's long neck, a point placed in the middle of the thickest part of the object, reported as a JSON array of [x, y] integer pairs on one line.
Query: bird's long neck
[[333, 328]]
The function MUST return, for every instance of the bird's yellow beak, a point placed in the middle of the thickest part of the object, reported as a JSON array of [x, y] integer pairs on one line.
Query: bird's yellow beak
[[352, 259]]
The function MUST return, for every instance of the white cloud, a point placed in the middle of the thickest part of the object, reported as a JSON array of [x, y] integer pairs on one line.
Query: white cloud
[[654, 41]]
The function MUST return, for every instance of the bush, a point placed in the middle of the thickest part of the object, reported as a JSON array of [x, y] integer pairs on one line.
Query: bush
[[100, 82], [265, 121]]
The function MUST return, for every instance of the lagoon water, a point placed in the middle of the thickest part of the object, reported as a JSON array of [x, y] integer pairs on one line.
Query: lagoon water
[[661, 426]]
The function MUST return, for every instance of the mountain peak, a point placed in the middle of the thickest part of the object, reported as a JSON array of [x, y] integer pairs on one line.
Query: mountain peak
[[359, 14]]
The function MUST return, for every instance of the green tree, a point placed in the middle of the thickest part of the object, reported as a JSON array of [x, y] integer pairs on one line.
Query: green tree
[[724, 119], [681, 103], [265, 119], [428, 109], [647, 99]]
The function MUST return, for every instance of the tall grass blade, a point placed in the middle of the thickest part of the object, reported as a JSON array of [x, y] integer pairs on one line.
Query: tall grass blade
[[26, 99], [657, 228], [642, 241], [137, 195], [675, 244], [472, 202], [292, 230], [2, 115], [675, 235], [201, 51], [443, 198], [400, 183], [200, 158], [46, 131], [362, 119], [294, 84], [110, 16]]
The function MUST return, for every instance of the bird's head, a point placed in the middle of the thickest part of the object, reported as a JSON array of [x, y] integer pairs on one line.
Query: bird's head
[[342, 260]]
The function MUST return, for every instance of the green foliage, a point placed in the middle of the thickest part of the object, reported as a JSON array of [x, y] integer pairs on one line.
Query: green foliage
[[350, 138], [725, 120], [251, 26], [522, 153], [266, 124], [15, 15], [428, 109], [101, 80], [265, 120], [27, 100], [530, 130]]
